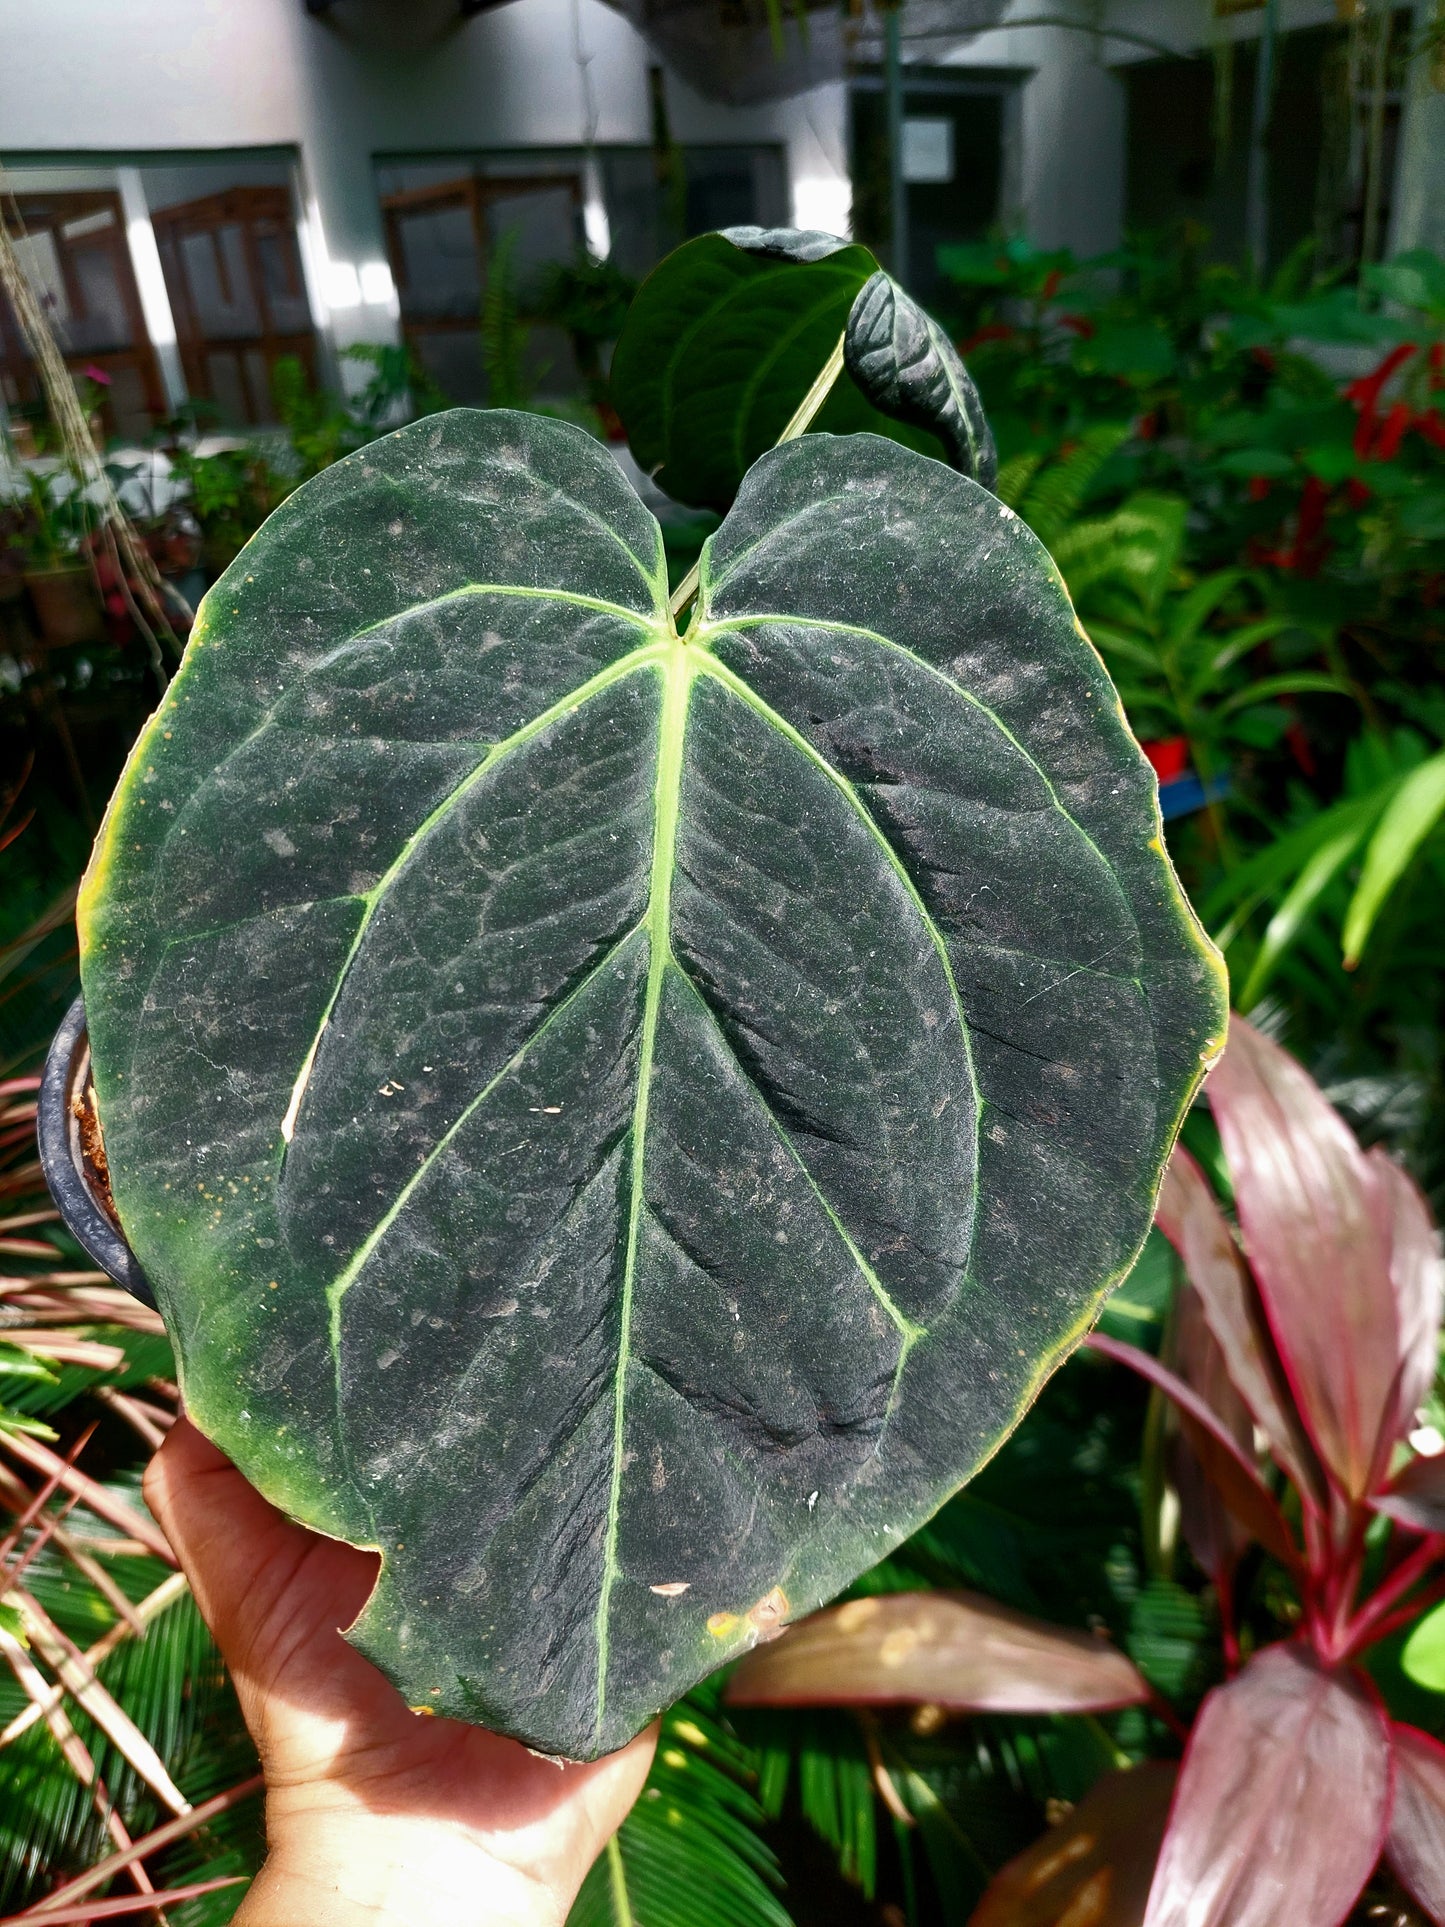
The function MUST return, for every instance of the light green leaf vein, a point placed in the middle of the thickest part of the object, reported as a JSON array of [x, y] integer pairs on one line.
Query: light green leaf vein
[[574, 699]]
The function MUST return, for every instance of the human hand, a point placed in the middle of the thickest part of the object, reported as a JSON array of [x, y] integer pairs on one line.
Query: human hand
[[373, 1813]]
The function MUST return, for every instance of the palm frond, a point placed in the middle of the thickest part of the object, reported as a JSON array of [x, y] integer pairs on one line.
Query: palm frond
[[689, 1854]]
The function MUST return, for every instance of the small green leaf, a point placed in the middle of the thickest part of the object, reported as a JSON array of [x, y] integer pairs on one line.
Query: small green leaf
[[1423, 1656], [1417, 807], [728, 334], [905, 364]]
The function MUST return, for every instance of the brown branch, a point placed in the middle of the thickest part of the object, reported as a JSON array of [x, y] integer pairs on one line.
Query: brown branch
[[149, 1843], [131, 1904], [151, 1607], [104, 1504]]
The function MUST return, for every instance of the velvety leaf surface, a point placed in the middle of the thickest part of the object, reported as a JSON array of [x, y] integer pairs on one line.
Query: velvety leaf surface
[[1282, 1803], [955, 1649], [721, 344], [1192, 1221], [1319, 1244], [905, 364], [1094, 1867], [1416, 1845], [624, 1123]]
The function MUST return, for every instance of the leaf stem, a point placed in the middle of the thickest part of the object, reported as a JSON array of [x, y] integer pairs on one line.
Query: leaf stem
[[798, 423]]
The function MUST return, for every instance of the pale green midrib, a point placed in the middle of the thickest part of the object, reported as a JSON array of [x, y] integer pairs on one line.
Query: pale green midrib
[[710, 665], [347, 1277], [497, 753], [672, 725], [752, 387], [905, 1325], [706, 628], [727, 623], [617, 1877], [569, 596]]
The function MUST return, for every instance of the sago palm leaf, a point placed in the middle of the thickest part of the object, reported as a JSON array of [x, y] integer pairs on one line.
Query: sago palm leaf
[[689, 1854]]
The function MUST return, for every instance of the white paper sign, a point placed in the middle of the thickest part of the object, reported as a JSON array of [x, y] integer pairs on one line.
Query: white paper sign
[[927, 149]]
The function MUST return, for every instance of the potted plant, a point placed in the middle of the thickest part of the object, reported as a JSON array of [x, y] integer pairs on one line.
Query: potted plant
[[59, 580], [633, 1027]]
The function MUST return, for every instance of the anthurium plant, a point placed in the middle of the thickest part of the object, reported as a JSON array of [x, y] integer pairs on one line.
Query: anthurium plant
[[623, 1097], [1305, 1339]]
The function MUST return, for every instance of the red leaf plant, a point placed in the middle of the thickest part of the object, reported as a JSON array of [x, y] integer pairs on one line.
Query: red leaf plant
[[1305, 1338], [1314, 1330]]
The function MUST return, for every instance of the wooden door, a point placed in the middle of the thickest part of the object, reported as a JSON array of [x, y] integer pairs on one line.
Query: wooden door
[[73, 251], [233, 271]]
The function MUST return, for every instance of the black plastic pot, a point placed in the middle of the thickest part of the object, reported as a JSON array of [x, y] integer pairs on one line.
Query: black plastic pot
[[74, 1182]]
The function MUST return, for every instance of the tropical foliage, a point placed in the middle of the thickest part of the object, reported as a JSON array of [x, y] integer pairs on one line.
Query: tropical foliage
[[1243, 488]]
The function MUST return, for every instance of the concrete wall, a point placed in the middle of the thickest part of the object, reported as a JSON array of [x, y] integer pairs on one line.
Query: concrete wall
[[83, 78], [1072, 148]]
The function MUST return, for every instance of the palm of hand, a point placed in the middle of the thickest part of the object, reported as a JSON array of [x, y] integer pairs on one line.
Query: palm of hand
[[365, 1799]]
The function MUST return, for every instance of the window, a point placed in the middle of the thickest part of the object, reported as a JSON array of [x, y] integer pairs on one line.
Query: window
[[73, 253], [233, 273]]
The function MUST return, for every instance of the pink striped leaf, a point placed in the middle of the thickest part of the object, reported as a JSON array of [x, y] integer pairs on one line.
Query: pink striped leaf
[[1318, 1242], [1417, 1497], [1416, 1846], [1283, 1800]]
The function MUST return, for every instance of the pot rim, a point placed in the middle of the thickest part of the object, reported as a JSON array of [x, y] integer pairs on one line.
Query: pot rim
[[64, 1164]]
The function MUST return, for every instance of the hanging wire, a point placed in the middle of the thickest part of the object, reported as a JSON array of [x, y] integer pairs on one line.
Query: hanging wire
[[139, 579]]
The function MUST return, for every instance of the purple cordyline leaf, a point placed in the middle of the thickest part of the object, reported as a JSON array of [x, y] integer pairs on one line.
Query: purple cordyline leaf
[[1262, 1505], [1217, 1503], [1093, 1868], [1192, 1221], [1417, 1497], [1283, 1800], [954, 1649], [1417, 1276], [1313, 1232], [1416, 1846]]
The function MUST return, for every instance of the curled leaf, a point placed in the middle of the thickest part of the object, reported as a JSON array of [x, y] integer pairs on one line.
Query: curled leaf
[[953, 1649], [1416, 1846], [1282, 1803], [1093, 1868], [905, 364]]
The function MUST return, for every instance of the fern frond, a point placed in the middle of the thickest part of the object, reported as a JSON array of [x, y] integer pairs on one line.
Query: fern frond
[[1014, 477], [1056, 495]]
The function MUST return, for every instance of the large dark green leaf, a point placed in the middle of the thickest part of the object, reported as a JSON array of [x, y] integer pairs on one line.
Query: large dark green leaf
[[624, 1123], [727, 336]]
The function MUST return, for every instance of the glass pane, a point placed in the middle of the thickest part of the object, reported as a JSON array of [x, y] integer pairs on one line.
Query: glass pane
[[227, 391], [40, 264], [439, 261], [103, 320], [220, 283], [281, 279], [452, 357]]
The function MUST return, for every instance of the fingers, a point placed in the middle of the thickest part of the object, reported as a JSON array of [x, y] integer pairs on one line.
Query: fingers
[[243, 1557]]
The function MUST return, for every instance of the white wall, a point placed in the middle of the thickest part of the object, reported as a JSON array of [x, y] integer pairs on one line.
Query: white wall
[[150, 76], [1071, 178]]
